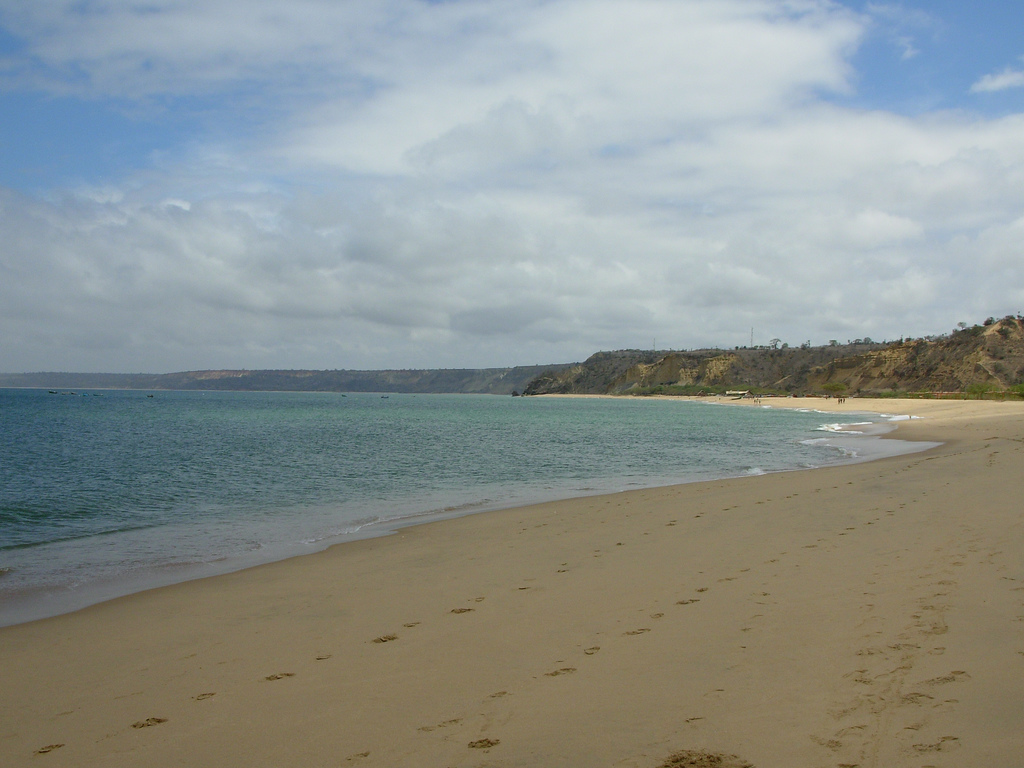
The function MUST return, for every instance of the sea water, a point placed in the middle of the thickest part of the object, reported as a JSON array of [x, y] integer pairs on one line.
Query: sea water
[[105, 493]]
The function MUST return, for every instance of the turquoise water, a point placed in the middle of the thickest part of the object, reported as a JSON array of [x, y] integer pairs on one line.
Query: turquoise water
[[106, 493]]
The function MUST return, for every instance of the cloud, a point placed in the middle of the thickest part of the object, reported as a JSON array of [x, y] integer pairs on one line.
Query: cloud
[[906, 44], [127, 49], [581, 74], [489, 183], [902, 26], [1008, 78]]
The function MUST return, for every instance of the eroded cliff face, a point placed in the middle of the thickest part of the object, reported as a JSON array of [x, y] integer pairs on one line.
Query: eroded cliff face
[[680, 369], [598, 375], [987, 356]]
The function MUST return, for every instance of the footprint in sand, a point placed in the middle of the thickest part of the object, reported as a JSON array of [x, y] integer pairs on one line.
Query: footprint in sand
[[638, 631], [701, 759], [149, 721], [592, 651], [445, 724], [48, 748], [945, 744], [279, 676], [461, 610], [323, 657], [484, 743], [562, 671], [952, 677], [916, 698], [385, 638], [203, 696]]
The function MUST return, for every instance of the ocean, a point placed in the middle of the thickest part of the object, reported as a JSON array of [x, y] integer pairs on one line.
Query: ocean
[[103, 493]]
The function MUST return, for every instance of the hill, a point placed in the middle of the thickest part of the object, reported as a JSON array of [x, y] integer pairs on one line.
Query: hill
[[988, 357], [496, 381]]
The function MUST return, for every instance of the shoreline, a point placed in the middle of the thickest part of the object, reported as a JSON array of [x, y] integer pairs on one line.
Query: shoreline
[[35, 603], [860, 614]]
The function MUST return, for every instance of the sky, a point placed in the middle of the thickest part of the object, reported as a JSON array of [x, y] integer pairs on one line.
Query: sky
[[484, 183]]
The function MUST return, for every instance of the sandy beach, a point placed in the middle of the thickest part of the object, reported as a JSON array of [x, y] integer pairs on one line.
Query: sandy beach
[[866, 615]]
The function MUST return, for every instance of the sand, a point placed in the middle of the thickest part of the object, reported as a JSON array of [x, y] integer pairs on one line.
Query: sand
[[865, 615]]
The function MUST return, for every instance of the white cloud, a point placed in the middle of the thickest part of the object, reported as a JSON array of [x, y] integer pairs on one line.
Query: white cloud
[[1008, 78], [902, 26], [122, 48], [585, 74], [909, 49], [872, 228], [486, 183]]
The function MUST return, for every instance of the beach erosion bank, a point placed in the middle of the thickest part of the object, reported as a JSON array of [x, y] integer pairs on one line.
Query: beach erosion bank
[[870, 614]]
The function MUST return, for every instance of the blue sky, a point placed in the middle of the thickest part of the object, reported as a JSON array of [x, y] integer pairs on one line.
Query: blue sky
[[924, 56], [479, 182]]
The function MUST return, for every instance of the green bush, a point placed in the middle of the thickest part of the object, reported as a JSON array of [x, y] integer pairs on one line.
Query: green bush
[[979, 389]]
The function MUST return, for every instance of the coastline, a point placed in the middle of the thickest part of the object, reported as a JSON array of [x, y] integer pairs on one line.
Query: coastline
[[70, 573], [862, 614]]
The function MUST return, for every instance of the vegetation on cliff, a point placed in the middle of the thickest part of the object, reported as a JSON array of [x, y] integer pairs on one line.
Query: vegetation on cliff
[[971, 360]]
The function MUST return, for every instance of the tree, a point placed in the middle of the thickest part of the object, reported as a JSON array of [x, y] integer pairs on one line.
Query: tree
[[774, 343]]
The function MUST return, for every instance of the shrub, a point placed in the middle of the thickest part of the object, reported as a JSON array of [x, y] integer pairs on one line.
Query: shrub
[[979, 389]]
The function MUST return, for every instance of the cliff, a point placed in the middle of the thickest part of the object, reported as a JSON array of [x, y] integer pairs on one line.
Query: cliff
[[981, 358], [978, 359]]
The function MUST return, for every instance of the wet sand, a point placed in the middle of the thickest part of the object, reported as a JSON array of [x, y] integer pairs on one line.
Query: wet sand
[[864, 615]]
